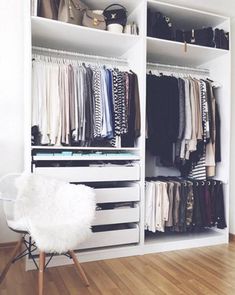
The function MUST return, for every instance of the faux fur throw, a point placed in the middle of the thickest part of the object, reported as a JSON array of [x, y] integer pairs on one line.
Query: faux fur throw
[[58, 214]]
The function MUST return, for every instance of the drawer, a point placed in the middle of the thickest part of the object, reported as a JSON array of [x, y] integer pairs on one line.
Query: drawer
[[117, 194], [115, 216], [92, 174], [111, 238]]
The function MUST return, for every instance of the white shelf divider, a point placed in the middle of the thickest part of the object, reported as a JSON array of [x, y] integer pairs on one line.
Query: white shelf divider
[[43, 147], [87, 158], [185, 241], [59, 35], [172, 52], [187, 18]]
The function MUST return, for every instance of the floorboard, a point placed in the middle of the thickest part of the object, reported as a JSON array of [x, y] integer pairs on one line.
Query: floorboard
[[202, 271]]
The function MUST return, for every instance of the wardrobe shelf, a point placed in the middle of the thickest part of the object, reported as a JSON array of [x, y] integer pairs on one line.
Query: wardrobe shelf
[[59, 35], [187, 18], [43, 147], [86, 158], [168, 242], [172, 52]]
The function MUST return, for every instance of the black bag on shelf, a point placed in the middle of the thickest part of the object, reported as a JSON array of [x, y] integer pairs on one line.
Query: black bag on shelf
[[159, 26], [151, 24], [221, 39], [225, 41], [180, 36], [203, 37], [115, 16]]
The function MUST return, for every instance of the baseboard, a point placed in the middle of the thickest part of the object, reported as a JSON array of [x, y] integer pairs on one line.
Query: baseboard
[[231, 237], [8, 245]]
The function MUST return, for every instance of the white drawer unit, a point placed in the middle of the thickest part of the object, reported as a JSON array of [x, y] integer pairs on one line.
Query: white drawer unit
[[112, 238], [92, 173], [118, 194], [115, 216]]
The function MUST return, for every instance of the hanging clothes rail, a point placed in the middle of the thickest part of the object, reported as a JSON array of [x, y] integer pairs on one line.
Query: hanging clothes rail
[[63, 53], [178, 68]]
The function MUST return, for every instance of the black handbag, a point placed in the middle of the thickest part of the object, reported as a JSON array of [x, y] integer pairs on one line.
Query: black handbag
[[151, 23], [159, 26], [221, 39], [115, 16], [202, 37]]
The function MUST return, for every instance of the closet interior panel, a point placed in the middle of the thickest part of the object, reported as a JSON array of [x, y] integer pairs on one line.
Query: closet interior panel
[[223, 95], [222, 75], [137, 60]]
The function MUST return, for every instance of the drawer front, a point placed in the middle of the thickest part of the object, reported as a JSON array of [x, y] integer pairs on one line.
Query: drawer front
[[117, 194], [115, 216], [111, 238], [91, 174]]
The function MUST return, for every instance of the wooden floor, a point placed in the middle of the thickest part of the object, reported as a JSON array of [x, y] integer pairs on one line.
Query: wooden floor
[[209, 270]]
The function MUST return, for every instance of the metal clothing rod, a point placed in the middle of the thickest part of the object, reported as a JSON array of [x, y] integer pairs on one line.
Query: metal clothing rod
[[180, 68], [76, 54]]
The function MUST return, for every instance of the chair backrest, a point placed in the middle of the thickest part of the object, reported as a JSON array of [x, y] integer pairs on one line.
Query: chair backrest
[[59, 214], [8, 194]]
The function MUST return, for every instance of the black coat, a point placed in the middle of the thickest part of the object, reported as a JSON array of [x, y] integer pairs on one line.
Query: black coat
[[162, 116]]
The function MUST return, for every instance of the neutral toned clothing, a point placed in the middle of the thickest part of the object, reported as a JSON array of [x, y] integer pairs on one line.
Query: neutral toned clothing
[[170, 192], [75, 104]]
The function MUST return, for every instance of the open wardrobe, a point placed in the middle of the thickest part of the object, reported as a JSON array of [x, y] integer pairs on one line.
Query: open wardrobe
[[142, 118], [132, 99]]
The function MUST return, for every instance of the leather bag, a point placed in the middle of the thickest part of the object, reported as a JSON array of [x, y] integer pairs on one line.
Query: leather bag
[[49, 8], [159, 26], [93, 20], [202, 37], [221, 39], [115, 16], [71, 11]]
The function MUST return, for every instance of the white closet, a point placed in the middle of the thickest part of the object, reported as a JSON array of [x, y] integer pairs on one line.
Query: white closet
[[126, 184]]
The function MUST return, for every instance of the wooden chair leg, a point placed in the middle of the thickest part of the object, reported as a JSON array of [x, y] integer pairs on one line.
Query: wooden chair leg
[[41, 272], [79, 268], [9, 263]]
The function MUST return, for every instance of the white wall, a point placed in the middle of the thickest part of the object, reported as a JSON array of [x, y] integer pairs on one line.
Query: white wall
[[11, 91], [11, 96]]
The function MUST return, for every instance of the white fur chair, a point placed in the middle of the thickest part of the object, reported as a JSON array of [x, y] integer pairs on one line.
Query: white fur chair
[[57, 216]]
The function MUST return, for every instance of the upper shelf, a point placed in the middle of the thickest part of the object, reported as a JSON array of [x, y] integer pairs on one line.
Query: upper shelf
[[171, 52], [44, 147], [91, 157], [187, 18], [59, 35]]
